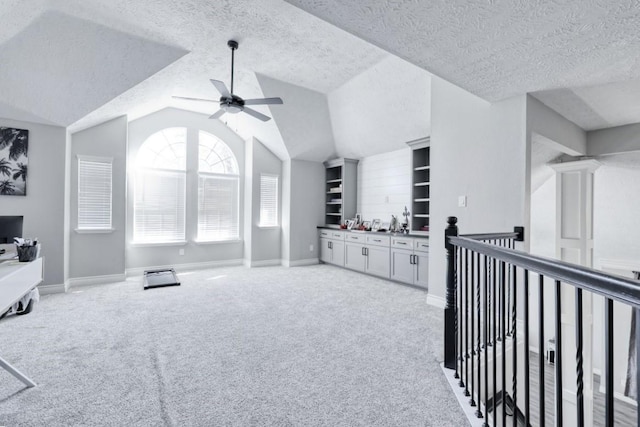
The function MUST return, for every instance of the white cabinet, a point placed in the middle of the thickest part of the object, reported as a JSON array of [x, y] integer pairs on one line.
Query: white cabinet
[[410, 261], [332, 247], [377, 261], [354, 257], [402, 266]]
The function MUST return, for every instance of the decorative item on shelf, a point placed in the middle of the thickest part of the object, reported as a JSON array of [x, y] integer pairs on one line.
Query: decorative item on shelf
[[384, 227], [350, 224], [358, 219], [375, 225], [424, 228], [405, 224], [343, 226], [366, 225], [393, 224], [27, 249]]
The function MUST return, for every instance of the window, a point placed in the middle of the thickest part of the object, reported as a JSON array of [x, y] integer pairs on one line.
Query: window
[[268, 200], [159, 189], [94, 193], [218, 190]]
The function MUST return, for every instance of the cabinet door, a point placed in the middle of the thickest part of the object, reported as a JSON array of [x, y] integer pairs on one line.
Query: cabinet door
[[377, 261], [421, 270], [401, 266], [325, 250], [353, 256], [337, 253]]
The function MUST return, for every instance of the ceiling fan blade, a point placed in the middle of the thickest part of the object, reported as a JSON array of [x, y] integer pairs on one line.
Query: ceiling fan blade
[[195, 99], [217, 114], [222, 88], [263, 101], [256, 114]]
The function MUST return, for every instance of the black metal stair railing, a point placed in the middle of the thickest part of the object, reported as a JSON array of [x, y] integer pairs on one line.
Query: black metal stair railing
[[487, 285]]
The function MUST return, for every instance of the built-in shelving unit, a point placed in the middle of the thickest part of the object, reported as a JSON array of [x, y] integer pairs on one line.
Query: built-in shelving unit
[[421, 178], [340, 188]]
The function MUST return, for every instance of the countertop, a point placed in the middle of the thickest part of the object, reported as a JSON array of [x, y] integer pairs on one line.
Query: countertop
[[422, 235]]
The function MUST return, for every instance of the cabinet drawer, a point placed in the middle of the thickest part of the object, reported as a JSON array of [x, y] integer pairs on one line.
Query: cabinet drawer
[[422, 245], [352, 237], [325, 234], [402, 242], [377, 240], [336, 235]]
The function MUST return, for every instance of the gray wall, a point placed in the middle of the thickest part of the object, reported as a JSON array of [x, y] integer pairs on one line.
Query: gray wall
[[140, 256], [303, 210], [100, 254], [44, 205], [478, 150], [546, 122], [261, 243]]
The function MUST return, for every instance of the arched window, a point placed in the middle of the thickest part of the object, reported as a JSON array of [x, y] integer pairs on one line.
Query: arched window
[[218, 190], [159, 192]]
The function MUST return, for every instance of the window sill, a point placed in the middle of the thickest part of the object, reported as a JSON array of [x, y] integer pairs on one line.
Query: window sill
[[266, 227], [143, 244], [216, 242], [94, 230]]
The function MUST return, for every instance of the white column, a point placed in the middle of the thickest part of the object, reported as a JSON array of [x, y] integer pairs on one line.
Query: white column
[[574, 244]]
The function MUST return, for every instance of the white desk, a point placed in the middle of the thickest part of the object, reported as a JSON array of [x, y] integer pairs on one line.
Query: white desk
[[16, 280]]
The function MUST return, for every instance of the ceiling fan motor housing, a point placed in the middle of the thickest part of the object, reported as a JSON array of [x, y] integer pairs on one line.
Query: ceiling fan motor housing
[[232, 105]]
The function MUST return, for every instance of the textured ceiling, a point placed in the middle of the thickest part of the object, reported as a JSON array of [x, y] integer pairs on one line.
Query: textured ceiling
[[276, 39], [498, 49]]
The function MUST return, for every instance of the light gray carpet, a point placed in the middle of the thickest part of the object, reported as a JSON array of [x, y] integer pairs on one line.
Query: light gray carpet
[[305, 346]]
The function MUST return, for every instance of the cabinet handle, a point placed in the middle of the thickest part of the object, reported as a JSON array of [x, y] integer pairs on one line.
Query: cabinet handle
[[362, 251], [330, 245], [402, 243], [411, 259], [377, 240], [415, 259], [366, 251]]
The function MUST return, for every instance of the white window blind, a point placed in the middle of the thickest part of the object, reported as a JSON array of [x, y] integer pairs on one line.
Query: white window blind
[[94, 193], [218, 201], [268, 200], [159, 208]]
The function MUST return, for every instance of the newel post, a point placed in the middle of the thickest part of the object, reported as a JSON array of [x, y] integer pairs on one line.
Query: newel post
[[450, 308]]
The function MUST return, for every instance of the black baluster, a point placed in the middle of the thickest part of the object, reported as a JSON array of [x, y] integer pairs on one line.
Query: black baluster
[[527, 413], [514, 329], [505, 285], [472, 402], [458, 327], [541, 347], [608, 361], [637, 311], [486, 338], [458, 335], [479, 350], [466, 337], [558, 356], [495, 356], [579, 361], [451, 300]]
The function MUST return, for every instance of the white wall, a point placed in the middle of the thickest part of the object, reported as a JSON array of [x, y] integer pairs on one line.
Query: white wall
[[139, 256], [302, 211], [262, 244], [546, 122], [303, 120], [478, 150], [100, 254], [381, 109], [384, 184], [620, 139], [44, 207]]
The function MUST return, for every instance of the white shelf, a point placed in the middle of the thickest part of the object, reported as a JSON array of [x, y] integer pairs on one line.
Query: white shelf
[[421, 184], [422, 168], [334, 203], [334, 180], [421, 200], [421, 215], [333, 214]]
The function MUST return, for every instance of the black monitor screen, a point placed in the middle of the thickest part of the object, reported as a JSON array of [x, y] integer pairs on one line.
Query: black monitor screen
[[10, 227]]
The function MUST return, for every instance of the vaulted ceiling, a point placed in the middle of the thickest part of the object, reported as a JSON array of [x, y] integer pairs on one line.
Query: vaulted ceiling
[[77, 63]]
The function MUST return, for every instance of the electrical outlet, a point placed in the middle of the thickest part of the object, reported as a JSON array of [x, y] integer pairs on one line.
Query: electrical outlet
[[181, 251], [462, 201], [311, 248]]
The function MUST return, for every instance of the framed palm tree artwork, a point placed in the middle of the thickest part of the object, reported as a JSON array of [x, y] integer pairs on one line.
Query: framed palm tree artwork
[[13, 161]]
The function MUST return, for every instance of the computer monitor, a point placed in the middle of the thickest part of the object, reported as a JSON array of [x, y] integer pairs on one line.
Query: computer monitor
[[10, 227]]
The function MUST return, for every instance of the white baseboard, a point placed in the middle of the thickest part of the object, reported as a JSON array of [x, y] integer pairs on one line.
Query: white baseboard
[[300, 262], [96, 280], [263, 263], [436, 301], [58, 288], [138, 271]]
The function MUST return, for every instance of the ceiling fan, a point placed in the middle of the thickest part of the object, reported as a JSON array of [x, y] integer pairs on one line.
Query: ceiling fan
[[231, 103]]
